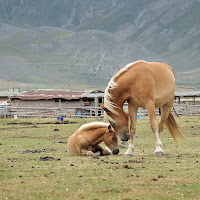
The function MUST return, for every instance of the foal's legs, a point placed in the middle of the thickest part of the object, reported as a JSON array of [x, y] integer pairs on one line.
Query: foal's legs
[[105, 151], [154, 127], [85, 152], [96, 150], [133, 118]]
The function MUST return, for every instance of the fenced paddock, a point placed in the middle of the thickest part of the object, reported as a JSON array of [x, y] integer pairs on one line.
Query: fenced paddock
[[181, 108], [187, 108], [186, 104], [34, 164], [86, 112]]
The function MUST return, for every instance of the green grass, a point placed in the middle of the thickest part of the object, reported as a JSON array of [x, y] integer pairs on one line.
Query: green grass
[[23, 175]]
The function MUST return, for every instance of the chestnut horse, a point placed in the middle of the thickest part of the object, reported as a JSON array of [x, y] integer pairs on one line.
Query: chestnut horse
[[85, 141], [143, 84]]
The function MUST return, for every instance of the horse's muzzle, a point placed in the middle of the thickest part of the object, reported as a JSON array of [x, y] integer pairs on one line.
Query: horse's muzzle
[[115, 151], [125, 138], [124, 135]]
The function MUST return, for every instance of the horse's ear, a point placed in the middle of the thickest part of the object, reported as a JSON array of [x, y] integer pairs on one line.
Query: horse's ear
[[112, 123], [109, 128], [105, 109]]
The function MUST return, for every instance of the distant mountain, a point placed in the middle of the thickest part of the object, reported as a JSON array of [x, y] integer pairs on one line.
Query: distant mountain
[[53, 55], [86, 42]]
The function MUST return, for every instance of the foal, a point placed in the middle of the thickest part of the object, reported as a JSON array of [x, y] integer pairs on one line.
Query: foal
[[85, 141]]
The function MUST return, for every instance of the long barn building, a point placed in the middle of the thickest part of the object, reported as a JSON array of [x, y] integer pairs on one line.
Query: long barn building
[[55, 102]]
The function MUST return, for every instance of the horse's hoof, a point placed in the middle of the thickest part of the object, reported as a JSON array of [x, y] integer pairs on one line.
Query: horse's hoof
[[128, 155], [160, 153]]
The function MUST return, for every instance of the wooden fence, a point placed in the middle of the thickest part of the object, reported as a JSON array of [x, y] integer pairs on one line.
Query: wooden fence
[[181, 108], [87, 112]]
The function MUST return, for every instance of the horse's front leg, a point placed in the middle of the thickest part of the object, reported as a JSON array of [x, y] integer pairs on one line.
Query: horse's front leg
[[105, 151], [133, 118], [85, 152]]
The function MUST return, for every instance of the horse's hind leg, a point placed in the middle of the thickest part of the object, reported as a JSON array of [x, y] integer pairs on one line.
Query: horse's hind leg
[[165, 110], [154, 127]]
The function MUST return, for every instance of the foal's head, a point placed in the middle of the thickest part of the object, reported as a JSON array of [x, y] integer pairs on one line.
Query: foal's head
[[111, 140], [118, 122]]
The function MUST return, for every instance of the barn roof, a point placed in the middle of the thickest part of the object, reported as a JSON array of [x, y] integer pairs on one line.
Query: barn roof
[[46, 94], [93, 94]]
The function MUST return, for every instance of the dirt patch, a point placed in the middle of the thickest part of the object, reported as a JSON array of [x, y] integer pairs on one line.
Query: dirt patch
[[31, 123], [52, 137], [127, 166], [136, 161], [14, 159], [18, 127], [48, 158], [38, 151], [60, 142], [122, 145], [117, 165]]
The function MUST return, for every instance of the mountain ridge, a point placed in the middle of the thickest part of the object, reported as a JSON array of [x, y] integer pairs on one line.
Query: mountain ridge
[[54, 37]]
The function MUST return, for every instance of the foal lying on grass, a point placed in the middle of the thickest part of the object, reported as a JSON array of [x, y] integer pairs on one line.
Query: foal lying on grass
[[85, 141]]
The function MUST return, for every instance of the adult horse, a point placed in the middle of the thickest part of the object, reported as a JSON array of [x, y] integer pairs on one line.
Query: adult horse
[[143, 84], [86, 140]]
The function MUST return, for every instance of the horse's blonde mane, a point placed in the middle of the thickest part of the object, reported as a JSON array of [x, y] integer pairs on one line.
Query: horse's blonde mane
[[93, 125], [112, 85]]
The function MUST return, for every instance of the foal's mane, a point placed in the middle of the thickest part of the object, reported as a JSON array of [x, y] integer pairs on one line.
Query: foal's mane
[[93, 125], [112, 85]]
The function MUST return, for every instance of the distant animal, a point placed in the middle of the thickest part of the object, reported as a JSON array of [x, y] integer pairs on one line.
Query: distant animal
[[143, 84], [86, 140]]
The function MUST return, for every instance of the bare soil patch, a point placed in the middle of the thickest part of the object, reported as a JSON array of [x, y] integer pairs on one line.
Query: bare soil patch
[[31, 123]]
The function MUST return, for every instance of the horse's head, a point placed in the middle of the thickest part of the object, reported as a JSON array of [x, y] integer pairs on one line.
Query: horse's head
[[118, 122], [111, 140]]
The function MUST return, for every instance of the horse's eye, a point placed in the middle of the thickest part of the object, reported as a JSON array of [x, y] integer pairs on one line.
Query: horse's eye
[[113, 138]]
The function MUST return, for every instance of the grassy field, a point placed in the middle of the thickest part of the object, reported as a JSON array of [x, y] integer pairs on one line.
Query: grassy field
[[34, 164]]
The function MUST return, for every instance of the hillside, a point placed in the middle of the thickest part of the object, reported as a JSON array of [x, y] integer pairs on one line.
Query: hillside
[[84, 43], [49, 55]]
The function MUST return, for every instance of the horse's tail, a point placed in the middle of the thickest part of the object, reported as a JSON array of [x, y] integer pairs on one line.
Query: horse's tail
[[173, 128]]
